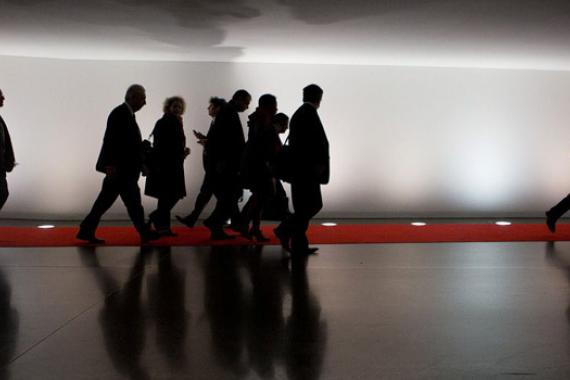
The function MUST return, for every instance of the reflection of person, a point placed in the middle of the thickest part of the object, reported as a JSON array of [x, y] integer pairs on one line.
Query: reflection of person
[[310, 154], [266, 319], [207, 188], [167, 303], [261, 147], [9, 326], [7, 161], [166, 179], [226, 302], [122, 318], [121, 159], [224, 146], [560, 261], [306, 333]]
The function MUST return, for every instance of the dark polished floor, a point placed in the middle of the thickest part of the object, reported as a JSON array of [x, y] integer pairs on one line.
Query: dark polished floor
[[391, 311]]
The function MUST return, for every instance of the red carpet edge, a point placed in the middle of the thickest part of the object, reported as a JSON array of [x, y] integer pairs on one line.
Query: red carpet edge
[[341, 234]]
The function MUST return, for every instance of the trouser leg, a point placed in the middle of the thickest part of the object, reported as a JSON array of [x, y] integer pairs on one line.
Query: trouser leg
[[225, 187], [204, 196], [307, 202], [131, 196], [161, 216], [4, 193], [107, 196], [561, 208]]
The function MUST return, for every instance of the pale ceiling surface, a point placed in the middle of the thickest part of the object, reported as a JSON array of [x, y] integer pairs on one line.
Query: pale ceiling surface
[[483, 33]]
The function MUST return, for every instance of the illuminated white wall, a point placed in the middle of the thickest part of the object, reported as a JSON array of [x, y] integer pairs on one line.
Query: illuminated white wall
[[404, 140]]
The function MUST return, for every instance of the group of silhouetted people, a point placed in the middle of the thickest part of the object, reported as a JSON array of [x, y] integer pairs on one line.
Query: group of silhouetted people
[[231, 164]]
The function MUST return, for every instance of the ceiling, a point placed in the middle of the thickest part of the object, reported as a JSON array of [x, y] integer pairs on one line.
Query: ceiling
[[528, 34]]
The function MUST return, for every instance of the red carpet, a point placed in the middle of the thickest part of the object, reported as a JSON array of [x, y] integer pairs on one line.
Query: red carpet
[[342, 234]]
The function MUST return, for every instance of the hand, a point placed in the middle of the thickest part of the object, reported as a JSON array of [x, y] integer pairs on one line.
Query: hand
[[186, 152], [9, 168], [145, 171], [202, 142], [199, 136]]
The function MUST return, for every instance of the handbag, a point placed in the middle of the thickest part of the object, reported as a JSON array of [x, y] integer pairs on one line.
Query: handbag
[[150, 157], [281, 166]]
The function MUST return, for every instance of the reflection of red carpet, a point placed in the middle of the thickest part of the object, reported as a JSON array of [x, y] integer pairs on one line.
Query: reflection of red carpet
[[342, 234]]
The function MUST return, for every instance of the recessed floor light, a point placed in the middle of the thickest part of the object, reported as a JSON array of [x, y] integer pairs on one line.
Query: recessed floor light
[[329, 224], [418, 224], [46, 226], [503, 223]]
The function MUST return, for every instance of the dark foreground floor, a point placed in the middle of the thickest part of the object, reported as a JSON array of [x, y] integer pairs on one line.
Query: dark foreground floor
[[395, 311]]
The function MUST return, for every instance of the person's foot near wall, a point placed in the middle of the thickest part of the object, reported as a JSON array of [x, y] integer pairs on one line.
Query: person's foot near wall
[[551, 221]]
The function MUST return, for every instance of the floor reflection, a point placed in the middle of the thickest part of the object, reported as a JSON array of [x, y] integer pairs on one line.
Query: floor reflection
[[306, 331], [167, 295], [266, 322], [257, 315], [9, 326], [560, 260], [122, 319], [253, 328], [225, 307]]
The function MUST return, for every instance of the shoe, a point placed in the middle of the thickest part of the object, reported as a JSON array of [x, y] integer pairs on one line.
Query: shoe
[[551, 221], [148, 236], [207, 223], [304, 251], [255, 234], [166, 232], [242, 230], [90, 238], [221, 235], [283, 238], [186, 221]]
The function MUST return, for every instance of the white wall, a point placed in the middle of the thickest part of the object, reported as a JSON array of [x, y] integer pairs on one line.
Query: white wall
[[404, 140]]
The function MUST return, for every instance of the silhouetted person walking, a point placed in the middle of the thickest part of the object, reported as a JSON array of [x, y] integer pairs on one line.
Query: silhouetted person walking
[[262, 146], [7, 160], [310, 154], [278, 206], [165, 181], [224, 146], [121, 159], [207, 187]]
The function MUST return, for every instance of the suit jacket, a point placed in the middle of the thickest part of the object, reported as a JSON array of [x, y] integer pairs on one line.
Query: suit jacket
[[122, 144], [225, 141], [7, 159], [309, 144]]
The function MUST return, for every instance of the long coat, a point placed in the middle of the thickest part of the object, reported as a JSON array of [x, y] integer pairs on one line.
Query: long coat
[[7, 159], [262, 146], [225, 142], [166, 179]]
